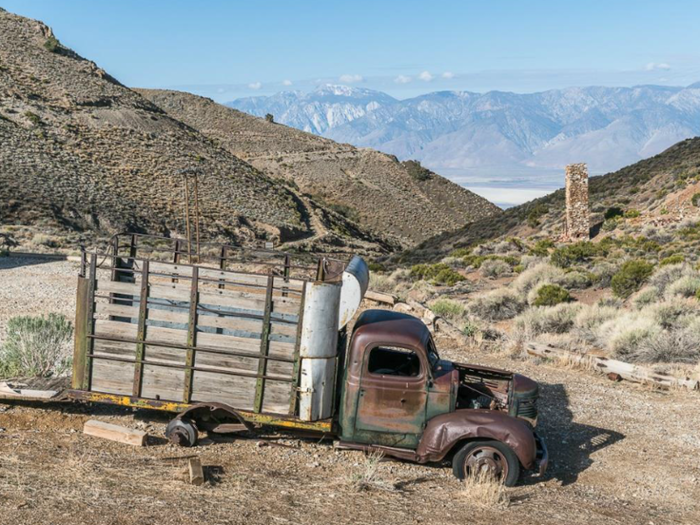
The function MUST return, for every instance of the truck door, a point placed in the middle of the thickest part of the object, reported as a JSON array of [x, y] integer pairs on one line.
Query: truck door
[[392, 397]]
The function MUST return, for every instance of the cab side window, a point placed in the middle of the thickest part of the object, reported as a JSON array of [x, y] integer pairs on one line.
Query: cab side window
[[393, 361]]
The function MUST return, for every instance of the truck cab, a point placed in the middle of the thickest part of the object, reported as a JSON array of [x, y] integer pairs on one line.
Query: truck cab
[[400, 397]]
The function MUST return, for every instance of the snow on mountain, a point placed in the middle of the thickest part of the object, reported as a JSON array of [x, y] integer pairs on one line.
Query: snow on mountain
[[606, 127]]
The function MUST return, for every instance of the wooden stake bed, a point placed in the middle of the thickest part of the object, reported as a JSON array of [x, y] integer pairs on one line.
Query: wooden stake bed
[[167, 335]]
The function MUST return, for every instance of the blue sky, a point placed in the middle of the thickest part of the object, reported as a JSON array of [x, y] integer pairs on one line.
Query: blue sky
[[230, 49]]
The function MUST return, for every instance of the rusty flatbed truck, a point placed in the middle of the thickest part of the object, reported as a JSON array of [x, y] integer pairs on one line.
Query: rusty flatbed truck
[[244, 338]]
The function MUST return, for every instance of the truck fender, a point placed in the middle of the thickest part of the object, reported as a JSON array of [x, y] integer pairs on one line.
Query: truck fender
[[210, 415], [443, 432]]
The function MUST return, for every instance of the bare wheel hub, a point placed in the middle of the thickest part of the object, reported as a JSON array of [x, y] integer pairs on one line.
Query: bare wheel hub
[[486, 460]]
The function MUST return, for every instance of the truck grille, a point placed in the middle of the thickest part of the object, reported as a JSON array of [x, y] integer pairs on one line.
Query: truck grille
[[527, 408]]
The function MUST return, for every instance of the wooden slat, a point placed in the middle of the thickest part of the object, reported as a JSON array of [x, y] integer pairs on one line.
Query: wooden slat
[[118, 310], [112, 377], [105, 286], [277, 397], [238, 392], [115, 329], [230, 322], [167, 316], [173, 292], [247, 301], [176, 270], [165, 355], [229, 342], [114, 348], [162, 382], [166, 335]]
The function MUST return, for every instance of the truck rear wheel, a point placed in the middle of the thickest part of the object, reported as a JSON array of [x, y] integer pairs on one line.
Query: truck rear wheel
[[492, 457], [182, 432]]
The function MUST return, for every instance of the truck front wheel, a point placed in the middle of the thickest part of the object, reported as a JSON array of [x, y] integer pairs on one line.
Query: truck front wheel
[[488, 457]]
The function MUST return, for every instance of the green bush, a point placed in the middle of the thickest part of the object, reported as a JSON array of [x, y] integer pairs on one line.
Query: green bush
[[427, 271], [551, 294], [376, 267], [612, 212], [52, 44], [417, 171], [447, 308], [448, 277], [610, 224], [36, 346], [630, 277], [695, 199], [576, 253], [536, 213], [460, 252], [541, 248], [632, 213], [270, 118], [672, 259]]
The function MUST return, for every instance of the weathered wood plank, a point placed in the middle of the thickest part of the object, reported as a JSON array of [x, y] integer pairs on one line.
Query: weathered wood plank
[[162, 383], [114, 348], [239, 392], [230, 322], [248, 301], [277, 396], [112, 377], [172, 291], [196, 471], [116, 433], [165, 355], [380, 297], [115, 329], [106, 286], [166, 335]]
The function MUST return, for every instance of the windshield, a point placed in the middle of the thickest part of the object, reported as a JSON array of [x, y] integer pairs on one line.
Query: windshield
[[433, 356]]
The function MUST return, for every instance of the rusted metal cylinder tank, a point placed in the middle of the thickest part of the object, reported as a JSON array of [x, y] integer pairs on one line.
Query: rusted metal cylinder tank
[[328, 306]]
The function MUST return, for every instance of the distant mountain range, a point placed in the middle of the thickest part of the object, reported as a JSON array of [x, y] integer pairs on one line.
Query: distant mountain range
[[497, 132]]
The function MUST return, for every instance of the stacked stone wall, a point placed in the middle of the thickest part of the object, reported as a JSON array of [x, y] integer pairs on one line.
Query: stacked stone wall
[[577, 214]]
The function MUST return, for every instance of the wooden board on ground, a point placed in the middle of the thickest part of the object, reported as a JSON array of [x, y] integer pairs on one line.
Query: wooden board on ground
[[380, 297], [196, 471], [115, 433]]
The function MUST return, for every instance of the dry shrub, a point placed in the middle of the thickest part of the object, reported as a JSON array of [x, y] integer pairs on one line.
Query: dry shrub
[[537, 275], [396, 282], [37, 347], [604, 272], [485, 491], [497, 305], [646, 296], [589, 319], [671, 346], [494, 268], [686, 286], [666, 275], [539, 320], [367, 478]]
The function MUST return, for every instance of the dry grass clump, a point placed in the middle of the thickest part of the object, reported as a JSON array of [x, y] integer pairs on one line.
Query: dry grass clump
[[395, 282], [495, 268], [546, 319], [500, 304], [37, 347], [646, 296], [590, 318], [368, 478], [482, 489], [604, 272], [667, 275], [540, 274], [686, 286]]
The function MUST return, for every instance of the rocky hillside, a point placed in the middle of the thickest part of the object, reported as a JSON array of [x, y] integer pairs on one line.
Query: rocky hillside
[[375, 190], [662, 189], [83, 156]]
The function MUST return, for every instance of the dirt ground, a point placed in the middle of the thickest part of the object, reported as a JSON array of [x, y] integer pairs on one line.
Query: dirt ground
[[620, 453]]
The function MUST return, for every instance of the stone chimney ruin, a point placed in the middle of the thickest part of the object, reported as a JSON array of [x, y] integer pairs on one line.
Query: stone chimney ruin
[[578, 225]]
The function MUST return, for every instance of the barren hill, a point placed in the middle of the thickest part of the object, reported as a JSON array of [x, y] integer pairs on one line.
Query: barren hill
[[372, 188], [83, 156], [660, 188]]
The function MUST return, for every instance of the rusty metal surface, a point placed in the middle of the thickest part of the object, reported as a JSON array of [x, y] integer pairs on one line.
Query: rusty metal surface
[[444, 432], [323, 426]]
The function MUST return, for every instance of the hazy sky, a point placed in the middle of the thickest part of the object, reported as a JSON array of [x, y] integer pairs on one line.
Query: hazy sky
[[231, 49]]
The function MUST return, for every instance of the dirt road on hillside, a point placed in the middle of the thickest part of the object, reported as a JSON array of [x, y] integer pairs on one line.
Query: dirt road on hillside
[[621, 454]]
